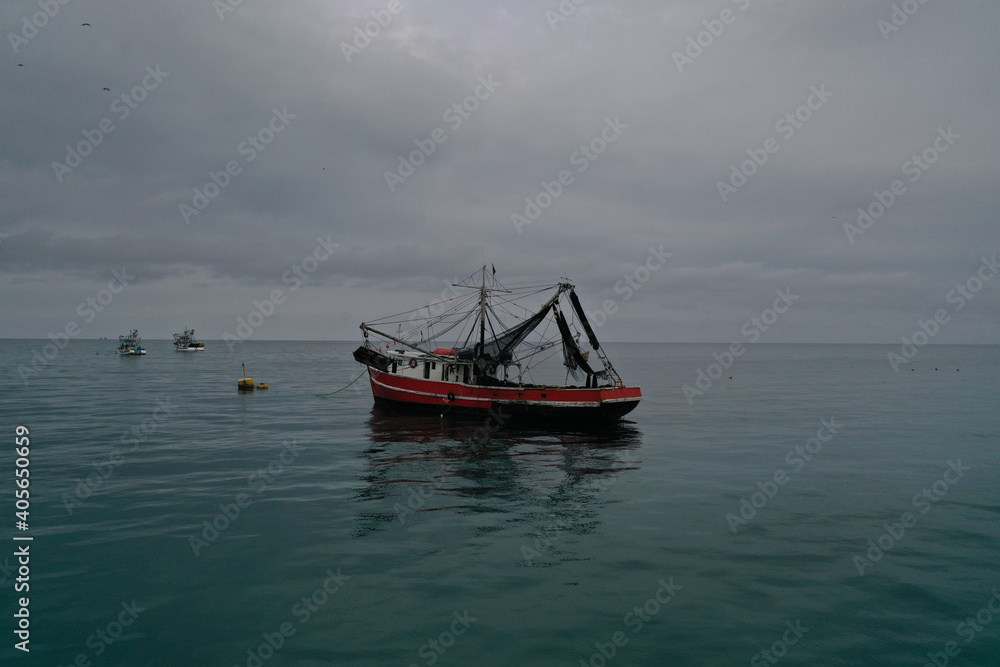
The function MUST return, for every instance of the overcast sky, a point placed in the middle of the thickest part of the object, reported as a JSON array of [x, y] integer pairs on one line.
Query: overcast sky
[[649, 111]]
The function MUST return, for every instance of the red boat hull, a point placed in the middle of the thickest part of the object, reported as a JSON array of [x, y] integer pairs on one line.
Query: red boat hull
[[524, 401]]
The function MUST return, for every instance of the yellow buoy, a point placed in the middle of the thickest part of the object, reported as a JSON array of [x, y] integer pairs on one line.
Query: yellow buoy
[[244, 383], [262, 386]]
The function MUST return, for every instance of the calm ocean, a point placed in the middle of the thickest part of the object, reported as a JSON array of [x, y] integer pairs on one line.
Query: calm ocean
[[818, 508]]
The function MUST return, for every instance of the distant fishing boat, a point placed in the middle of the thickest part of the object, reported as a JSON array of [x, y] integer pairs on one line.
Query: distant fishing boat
[[482, 365], [131, 345], [185, 342]]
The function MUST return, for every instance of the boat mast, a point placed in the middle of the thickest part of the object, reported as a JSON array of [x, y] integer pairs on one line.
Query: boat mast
[[482, 316]]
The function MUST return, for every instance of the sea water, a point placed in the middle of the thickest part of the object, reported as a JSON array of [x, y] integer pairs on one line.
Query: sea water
[[795, 505]]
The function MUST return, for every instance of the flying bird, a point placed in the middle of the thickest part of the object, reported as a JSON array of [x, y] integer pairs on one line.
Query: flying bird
[[108, 89], [86, 24]]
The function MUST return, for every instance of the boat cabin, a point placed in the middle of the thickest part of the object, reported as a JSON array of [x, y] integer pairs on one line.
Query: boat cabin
[[412, 364]]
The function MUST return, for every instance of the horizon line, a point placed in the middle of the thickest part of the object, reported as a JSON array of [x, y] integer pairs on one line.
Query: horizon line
[[615, 342]]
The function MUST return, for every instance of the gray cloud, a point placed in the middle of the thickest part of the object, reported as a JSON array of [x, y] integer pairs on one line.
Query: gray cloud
[[323, 174]]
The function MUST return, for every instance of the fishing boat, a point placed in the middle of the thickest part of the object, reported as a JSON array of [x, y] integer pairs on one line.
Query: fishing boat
[[131, 345], [185, 342], [474, 353]]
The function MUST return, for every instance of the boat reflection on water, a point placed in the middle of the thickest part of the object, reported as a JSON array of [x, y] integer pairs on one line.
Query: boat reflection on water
[[387, 425], [534, 475]]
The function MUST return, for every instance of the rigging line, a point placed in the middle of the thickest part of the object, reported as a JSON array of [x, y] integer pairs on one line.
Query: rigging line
[[468, 278], [388, 319], [534, 363], [524, 288], [520, 297], [414, 310], [489, 322], [462, 302], [515, 300], [345, 387], [503, 327], [428, 335]]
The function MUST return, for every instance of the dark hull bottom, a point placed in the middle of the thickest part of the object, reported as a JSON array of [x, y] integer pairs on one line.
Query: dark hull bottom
[[519, 412]]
